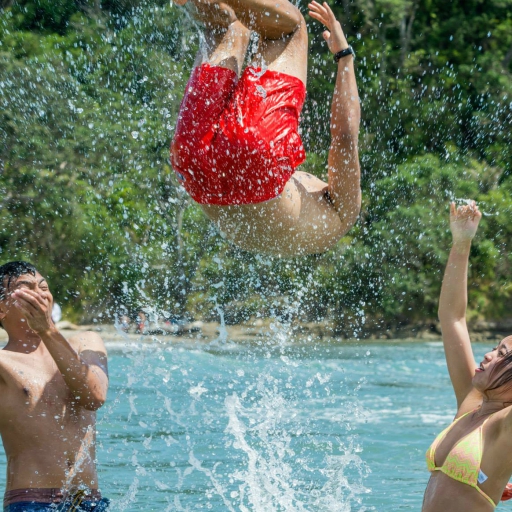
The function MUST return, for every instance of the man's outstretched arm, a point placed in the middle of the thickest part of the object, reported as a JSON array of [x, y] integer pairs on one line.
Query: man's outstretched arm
[[343, 161]]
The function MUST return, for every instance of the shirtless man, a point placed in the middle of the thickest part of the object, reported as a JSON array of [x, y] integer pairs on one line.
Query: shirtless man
[[50, 389], [236, 146]]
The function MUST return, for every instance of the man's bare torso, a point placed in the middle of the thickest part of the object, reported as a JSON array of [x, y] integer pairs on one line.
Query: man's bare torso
[[48, 440], [271, 227]]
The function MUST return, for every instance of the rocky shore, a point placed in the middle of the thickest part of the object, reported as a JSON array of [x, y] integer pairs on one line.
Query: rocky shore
[[306, 332]]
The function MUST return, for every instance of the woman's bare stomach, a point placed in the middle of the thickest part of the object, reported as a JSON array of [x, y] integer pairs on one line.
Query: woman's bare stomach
[[444, 494]]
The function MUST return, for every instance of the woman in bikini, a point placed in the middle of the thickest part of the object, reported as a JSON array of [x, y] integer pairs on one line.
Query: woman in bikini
[[236, 146], [470, 461]]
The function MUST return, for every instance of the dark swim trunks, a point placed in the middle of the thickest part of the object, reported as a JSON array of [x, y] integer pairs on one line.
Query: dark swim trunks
[[85, 506], [44, 500], [237, 140]]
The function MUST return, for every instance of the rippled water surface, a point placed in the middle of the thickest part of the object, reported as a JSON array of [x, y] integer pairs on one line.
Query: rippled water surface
[[317, 427]]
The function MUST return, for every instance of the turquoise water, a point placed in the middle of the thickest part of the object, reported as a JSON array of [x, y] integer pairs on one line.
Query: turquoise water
[[318, 427]]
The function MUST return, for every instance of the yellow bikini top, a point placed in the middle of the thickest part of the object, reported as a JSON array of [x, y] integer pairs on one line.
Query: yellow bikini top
[[463, 461]]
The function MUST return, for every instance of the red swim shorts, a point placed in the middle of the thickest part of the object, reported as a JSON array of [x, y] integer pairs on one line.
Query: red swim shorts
[[236, 140]]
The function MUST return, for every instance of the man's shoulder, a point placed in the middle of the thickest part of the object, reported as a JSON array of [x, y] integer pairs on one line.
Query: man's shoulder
[[87, 340], [8, 359], [6, 356]]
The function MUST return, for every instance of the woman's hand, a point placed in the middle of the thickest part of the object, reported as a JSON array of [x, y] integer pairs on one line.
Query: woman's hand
[[334, 35], [464, 221]]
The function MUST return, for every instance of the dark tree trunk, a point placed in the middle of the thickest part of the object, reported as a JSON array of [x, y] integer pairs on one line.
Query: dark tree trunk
[[406, 32], [508, 58]]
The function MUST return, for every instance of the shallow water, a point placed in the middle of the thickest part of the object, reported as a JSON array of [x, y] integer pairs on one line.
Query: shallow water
[[316, 427]]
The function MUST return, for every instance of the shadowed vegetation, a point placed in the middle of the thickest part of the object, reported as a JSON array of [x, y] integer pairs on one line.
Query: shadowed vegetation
[[89, 94]]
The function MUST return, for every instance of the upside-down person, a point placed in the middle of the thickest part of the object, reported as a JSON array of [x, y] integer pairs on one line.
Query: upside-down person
[[236, 148], [50, 389], [470, 461]]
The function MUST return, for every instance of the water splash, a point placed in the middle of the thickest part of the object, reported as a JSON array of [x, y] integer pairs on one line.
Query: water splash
[[269, 433], [83, 455], [124, 503], [266, 482]]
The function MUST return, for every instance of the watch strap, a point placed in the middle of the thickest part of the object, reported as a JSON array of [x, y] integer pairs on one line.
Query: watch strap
[[343, 53]]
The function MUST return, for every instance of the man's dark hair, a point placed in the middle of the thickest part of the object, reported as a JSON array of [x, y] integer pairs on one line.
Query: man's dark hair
[[13, 270]]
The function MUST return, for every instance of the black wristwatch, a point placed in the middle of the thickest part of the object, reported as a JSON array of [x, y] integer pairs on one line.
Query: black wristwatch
[[343, 53]]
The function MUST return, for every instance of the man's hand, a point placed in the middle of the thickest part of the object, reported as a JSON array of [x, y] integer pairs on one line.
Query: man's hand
[[464, 221], [36, 308], [334, 35]]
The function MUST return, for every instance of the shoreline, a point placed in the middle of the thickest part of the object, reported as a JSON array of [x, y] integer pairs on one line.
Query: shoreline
[[208, 332]]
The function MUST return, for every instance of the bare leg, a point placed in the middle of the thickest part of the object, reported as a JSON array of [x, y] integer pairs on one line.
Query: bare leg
[[283, 34], [288, 54], [226, 39], [272, 19]]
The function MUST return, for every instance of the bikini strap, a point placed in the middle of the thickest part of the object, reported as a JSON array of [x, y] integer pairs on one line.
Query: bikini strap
[[464, 415]]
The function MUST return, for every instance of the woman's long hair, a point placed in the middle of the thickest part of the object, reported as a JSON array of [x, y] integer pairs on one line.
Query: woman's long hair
[[504, 370]]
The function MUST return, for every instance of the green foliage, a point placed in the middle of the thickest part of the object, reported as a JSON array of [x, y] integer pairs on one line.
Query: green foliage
[[89, 95], [85, 123]]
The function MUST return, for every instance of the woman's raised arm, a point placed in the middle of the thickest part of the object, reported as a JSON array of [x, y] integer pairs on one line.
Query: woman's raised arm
[[453, 300]]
